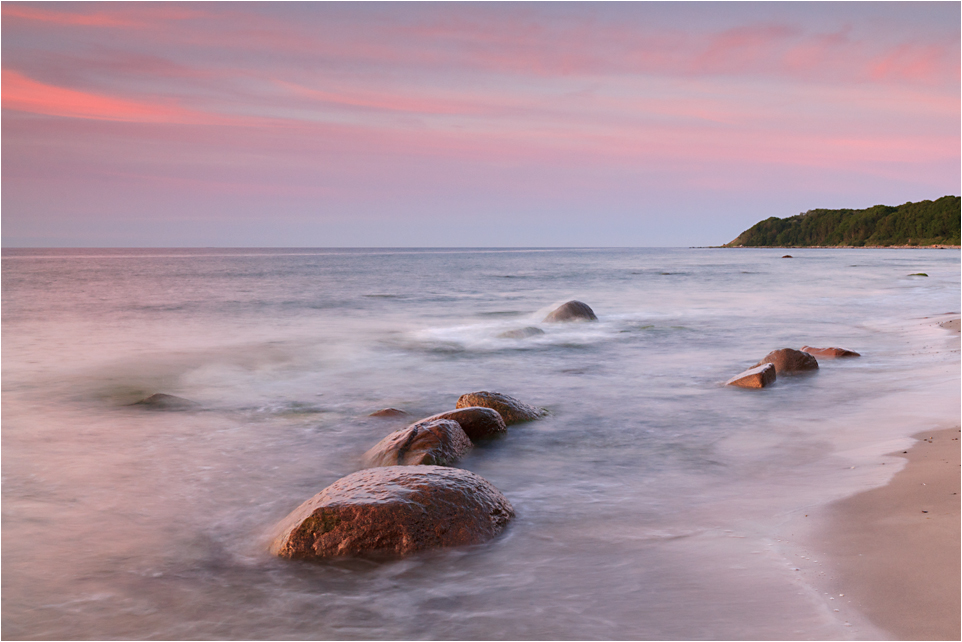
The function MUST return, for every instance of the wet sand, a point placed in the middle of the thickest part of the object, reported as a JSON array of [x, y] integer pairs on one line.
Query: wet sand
[[952, 324], [895, 549]]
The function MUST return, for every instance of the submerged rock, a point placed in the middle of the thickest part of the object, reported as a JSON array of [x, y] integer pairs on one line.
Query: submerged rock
[[476, 421], [789, 361], [510, 409], [830, 353], [571, 311], [394, 511], [439, 442], [757, 377], [160, 401], [522, 333], [388, 412]]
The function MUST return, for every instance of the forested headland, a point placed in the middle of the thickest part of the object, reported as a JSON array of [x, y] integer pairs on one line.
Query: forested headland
[[911, 224]]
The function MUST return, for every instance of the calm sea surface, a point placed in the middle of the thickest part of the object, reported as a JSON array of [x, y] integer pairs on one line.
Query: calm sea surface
[[651, 503]]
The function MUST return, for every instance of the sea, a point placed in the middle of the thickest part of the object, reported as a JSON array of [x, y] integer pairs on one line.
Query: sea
[[653, 502]]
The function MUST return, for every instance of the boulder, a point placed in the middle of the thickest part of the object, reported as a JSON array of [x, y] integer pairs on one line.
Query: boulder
[[522, 333], [789, 361], [830, 353], [394, 511], [571, 311], [510, 409], [160, 401], [477, 422], [758, 377], [388, 412], [440, 442]]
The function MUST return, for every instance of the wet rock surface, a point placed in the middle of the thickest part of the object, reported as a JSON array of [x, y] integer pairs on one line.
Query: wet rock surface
[[476, 421], [757, 377], [512, 411], [830, 353], [571, 311], [394, 511], [388, 412], [161, 401], [789, 361], [521, 333], [439, 442]]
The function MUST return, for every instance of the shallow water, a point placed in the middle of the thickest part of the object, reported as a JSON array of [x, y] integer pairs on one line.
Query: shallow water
[[649, 503]]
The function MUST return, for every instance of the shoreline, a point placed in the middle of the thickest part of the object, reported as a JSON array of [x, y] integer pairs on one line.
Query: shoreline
[[894, 551]]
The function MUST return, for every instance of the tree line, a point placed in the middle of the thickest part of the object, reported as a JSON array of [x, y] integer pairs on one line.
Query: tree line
[[923, 223]]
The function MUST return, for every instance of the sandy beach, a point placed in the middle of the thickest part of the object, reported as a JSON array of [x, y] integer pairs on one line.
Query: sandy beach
[[886, 561], [952, 324], [894, 550]]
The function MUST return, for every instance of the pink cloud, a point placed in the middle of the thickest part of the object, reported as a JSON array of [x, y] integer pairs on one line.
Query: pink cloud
[[519, 42], [605, 131], [100, 19], [27, 95], [121, 15], [336, 102], [912, 62], [746, 48], [426, 102], [777, 50]]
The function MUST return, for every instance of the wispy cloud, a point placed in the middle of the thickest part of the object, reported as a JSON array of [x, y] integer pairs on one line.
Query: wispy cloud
[[23, 94], [360, 105], [116, 16]]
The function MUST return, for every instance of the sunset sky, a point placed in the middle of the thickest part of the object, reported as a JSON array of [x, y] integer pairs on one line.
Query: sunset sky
[[449, 124]]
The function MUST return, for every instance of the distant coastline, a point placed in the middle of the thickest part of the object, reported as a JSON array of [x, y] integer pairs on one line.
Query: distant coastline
[[831, 247], [933, 224]]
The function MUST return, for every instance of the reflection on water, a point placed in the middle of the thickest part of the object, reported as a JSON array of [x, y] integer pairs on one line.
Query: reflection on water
[[648, 503]]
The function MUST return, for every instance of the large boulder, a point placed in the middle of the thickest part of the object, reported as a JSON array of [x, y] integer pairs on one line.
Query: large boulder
[[789, 361], [830, 353], [510, 409], [439, 442], [161, 401], [758, 377], [571, 311], [477, 422], [394, 511]]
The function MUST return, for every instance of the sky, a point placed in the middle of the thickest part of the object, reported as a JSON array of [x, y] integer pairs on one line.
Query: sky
[[466, 124]]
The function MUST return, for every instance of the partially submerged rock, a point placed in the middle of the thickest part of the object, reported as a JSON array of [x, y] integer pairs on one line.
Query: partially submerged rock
[[830, 353], [789, 361], [476, 421], [394, 511], [522, 333], [160, 401], [571, 311], [439, 442], [388, 412], [787, 256], [510, 409], [757, 377]]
